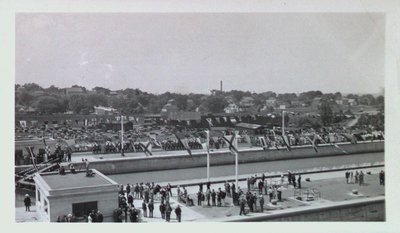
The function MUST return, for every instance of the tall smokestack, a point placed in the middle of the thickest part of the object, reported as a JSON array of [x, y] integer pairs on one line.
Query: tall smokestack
[[221, 86]]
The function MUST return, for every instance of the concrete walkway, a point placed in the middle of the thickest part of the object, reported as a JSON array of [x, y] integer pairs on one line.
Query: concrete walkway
[[331, 185]]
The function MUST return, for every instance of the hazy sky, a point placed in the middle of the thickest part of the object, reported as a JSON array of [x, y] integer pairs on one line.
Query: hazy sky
[[281, 52]]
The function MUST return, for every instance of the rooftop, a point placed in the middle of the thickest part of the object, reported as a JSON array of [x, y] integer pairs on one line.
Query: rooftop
[[248, 125], [78, 180]]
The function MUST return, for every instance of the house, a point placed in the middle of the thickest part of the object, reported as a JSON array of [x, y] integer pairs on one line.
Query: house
[[76, 194], [352, 102], [169, 111], [270, 102], [246, 102], [74, 91], [342, 101], [201, 109], [232, 108]]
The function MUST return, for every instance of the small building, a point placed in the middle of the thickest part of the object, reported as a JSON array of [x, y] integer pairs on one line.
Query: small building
[[189, 116], [251, 129], [77, 194], [100, 110]]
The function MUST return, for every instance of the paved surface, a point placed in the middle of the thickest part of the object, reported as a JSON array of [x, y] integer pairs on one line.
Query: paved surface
[[259, 167], [331, 185]]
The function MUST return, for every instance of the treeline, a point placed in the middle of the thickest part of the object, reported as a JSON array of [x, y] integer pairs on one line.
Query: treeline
[[134, 101]]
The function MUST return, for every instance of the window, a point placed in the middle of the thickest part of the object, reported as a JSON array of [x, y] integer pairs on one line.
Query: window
[[84, 208], [46, 207]]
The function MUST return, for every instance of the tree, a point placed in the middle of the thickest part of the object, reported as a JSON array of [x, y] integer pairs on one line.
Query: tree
[[50, 105], [101, 90], [97, 100], [269, 94], [216, 104], [31, 87], [24, 98], [367, 99], [79, 104], [326, 113], [338, 95], [53, 90], [308, 96]]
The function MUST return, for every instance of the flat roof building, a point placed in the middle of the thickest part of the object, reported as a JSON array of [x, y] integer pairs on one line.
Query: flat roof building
[[77, 194]]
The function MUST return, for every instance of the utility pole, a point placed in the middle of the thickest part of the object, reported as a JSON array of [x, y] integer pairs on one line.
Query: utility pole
[[122, 135]]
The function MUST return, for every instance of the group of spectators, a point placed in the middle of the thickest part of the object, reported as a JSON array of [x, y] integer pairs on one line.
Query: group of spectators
[[358, 177], [148, 193]]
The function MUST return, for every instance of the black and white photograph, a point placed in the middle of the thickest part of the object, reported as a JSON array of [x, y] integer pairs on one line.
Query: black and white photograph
[[199, 117]]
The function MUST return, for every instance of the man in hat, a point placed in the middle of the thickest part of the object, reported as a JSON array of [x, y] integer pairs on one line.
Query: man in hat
[[27, 202], [178, 213]]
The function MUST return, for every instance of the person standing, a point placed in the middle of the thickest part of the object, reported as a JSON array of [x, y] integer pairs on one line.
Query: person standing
[[265, 186], [270, 194], [356, 177], [130, 199], [136, 189], [169, 189], [242, 203], [260, 186], [382, 178], [208, 195], [219, 198], [69, 156], [199, 198], [261, 200], [361, 178], [27, 202], [178, 193], [299, 181], [178, 213], [128, 189], [213, 195], [162, 210], [279, 191], [99, 216], [351, 177], [144, 207], [168, 213], [294, 180], [347, 175], [151, 209], [133, 215]]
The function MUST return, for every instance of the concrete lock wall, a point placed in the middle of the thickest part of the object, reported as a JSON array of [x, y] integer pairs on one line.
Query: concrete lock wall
[[366, 210], [128, 165]]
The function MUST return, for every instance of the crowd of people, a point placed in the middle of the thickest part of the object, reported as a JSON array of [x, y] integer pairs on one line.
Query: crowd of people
[[358, 177], [148, 193], [259, 191]]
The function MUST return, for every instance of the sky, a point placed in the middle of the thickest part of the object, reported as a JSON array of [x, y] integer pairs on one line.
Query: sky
[[192, 52]]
